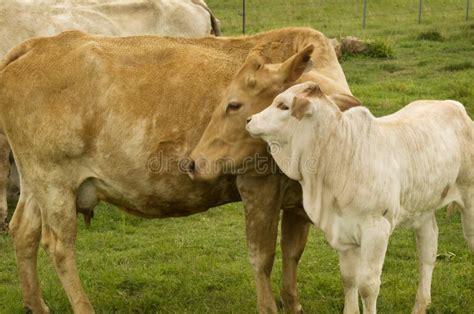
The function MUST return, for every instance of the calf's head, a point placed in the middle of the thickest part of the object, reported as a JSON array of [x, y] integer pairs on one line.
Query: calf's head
[[225, 146], [296, 119]]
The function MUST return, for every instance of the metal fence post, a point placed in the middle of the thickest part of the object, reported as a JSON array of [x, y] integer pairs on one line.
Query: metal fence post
[[365, 14], [244, 13], [468, 7], [420, 9]]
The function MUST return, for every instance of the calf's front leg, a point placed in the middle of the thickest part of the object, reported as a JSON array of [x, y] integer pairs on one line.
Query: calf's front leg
[[373, 246], [349, 265], [262, 201]]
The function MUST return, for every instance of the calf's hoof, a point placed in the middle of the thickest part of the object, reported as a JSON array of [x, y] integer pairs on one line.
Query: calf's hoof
[[420, 309]]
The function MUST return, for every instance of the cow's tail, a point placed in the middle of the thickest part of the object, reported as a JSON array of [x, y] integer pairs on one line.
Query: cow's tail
[[215, 23]]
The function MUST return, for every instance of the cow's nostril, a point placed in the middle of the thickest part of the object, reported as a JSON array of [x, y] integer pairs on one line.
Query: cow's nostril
[[249, 119], [191, 166]]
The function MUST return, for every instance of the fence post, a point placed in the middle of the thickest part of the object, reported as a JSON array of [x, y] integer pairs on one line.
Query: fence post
[[244, 13], [468, 7], [420, 9], [365, 14]]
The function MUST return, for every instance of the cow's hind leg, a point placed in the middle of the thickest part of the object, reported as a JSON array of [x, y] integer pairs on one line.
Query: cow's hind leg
[[58, 239], [427, 246], [262, 201], [4, 172], [374, 242], [294, 234], [25, 229]]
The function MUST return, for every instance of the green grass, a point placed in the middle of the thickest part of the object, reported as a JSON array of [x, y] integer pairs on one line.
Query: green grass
[[430, 35], [199, 264]]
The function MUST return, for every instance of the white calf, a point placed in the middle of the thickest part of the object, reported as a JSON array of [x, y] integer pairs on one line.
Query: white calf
[[362, 176]]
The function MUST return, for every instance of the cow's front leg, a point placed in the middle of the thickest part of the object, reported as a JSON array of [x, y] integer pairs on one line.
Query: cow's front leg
[[294, 234], [58, 215], [262, 198]]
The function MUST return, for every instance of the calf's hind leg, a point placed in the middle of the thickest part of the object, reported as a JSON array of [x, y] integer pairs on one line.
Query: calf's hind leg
[[426, 246], [467, 217], [58, 239], [25, 229]]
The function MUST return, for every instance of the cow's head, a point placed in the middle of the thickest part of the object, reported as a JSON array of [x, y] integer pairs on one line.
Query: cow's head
[[225, 146], [296, 119]]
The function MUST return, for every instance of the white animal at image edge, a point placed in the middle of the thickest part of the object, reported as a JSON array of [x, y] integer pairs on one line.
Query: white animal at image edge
[[373, 174]]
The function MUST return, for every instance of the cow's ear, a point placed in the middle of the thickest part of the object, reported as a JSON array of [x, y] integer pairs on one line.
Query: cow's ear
[[345, 101], [254, 61], [296, 65], [301, 107]]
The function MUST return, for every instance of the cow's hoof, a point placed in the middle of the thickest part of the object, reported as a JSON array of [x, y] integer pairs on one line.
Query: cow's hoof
[[290, 307], [43, 310]]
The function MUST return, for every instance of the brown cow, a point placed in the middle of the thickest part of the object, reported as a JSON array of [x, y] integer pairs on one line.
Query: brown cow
[[115, 119], [227, 148], [20, 21]]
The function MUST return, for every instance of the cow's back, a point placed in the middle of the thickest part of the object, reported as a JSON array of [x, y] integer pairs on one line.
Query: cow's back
[[124, 112], [106, 108]]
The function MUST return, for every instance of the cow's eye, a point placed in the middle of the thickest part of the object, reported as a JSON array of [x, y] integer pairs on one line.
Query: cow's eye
[[233, 106], [282, 106]]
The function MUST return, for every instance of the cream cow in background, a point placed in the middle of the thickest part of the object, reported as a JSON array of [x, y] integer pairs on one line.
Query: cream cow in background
[[363, 176], [20, 20]]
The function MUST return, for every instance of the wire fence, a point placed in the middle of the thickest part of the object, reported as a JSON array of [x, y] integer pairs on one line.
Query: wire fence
[[339, 16]]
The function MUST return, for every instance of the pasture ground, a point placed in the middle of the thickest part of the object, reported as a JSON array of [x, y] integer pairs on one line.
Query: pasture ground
[[199, 264]]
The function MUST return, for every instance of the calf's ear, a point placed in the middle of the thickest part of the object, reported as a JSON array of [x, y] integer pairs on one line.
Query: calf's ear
[[296, 65], [345, 101], [301, 107]]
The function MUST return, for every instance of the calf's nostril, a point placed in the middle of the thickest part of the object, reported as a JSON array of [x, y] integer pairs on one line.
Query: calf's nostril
[[249, 119]]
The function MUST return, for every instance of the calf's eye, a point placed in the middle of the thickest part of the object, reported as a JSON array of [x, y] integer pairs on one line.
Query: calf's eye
[[233, 106], [282, 106]]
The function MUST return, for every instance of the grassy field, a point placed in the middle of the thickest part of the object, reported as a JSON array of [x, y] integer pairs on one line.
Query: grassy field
[[199, 264]]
